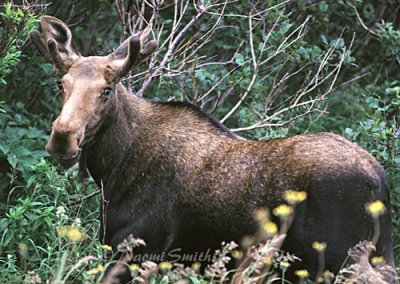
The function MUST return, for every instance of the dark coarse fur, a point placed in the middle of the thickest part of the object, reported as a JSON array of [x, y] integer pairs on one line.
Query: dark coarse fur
[[182, 106], [177, 179]]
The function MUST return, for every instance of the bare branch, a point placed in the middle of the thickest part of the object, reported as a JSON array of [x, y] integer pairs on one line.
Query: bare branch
[[268, 61], [254, 77], [171, 48], [82, 199], [311, 103], [361, 20]]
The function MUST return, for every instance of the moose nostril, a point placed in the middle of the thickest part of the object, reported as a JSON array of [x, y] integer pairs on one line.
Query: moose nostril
[[63, 145], [60, 135]]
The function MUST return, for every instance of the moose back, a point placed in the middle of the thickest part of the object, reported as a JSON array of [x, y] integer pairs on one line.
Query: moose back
[[176, 178]]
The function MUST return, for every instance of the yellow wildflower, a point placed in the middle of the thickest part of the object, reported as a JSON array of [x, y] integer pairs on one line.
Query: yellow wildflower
[[302, 273], [237, 254], [196, 266], [294, 197], [320, 247], [22, 249], [270, 228], [283, 210], [284, 265], [72, 233], [375, 208], [267, 260], [134, 267], [328, 275], [165, 265], [92, 271], [377, 260], [99, 268], [106, 247]]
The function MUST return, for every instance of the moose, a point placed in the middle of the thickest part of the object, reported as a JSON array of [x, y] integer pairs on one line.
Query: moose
[[177, 178]]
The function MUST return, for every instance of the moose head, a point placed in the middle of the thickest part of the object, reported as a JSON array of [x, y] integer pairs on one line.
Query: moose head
[[86, 83]]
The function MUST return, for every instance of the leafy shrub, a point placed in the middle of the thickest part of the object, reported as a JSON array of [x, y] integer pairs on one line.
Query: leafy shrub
[[32, 221], [379, 133], [16, 23]]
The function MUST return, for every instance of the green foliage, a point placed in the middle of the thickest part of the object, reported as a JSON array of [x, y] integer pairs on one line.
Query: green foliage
[[389, 37], [14, 28], [21, 147], [31, 221], [379, 133]]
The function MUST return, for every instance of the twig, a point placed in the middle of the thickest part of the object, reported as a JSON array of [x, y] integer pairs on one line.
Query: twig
[[254, 77], [80, 200], [104, 204], [361, 20], [170, 51], [121, 12]]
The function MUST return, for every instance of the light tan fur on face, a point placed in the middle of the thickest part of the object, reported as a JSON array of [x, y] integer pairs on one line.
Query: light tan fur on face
[[82, 105], [84, 80]]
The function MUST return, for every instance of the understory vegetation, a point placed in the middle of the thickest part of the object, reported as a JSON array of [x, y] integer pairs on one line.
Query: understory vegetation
[[266, 69]]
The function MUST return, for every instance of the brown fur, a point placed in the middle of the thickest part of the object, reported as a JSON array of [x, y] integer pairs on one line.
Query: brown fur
[[196, 183]]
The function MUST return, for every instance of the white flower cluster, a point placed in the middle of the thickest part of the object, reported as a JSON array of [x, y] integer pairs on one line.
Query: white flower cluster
[[78, 222], [60, 213]]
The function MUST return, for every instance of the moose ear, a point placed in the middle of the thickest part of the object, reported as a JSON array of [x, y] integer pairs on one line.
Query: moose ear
[[55, 30], [56, 44], [131, 52]]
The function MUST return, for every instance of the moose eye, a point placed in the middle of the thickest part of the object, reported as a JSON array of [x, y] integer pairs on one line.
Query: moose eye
[[60, 85], [107, 92]]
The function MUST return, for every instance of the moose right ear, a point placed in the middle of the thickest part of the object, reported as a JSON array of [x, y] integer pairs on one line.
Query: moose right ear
[[56, 44], [130, 53]]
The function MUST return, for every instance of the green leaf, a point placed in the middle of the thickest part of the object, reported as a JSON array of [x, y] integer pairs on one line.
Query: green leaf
[[348, 132], [12, 160], [239, 58], [324, 39], [323, 7], [301, 5], [392, 91]]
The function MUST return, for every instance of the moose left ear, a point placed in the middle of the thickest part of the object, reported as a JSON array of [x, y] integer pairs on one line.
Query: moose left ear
[[57, 43], [55, 30]]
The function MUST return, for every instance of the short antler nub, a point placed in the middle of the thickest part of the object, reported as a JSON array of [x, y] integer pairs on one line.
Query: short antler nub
[[149, 49], [132, 56], [37, 40], [131, 53], [55, 55]]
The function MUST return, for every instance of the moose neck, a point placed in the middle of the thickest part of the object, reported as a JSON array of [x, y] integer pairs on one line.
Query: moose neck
[[138, 135], [123, 124]]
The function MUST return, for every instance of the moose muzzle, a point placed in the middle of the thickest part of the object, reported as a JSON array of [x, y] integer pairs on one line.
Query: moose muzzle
[[64, 144]]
